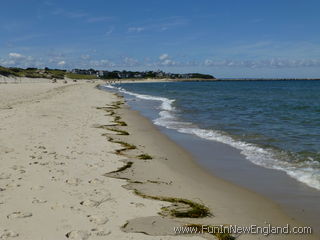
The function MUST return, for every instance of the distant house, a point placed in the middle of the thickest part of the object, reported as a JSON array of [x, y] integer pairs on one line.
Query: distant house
[[100, 74], [137, 75]]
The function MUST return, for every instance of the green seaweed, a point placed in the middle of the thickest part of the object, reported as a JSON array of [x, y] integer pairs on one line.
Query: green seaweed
[[124, 167], [117, 120], [196, 210], [144, 156], [118, 131]]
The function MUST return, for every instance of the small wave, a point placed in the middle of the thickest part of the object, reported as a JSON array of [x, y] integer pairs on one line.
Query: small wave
[[166, 103], [307, 172]]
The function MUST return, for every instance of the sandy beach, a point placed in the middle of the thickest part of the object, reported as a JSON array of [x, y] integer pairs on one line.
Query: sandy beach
[[77, 163]]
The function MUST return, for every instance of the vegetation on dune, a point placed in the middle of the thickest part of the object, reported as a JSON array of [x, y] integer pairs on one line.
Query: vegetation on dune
[[33, 72], [95, 74], [80, 76], [7, 72], [56, 73]]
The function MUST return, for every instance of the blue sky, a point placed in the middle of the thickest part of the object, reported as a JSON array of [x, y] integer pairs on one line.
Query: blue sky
[[239, 38]]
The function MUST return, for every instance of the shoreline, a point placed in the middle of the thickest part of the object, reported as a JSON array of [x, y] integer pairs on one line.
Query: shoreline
[[180, 163], [296, 199], [16, 80], [69, 166]]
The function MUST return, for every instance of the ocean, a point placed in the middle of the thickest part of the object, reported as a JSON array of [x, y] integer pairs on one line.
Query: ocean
[[275, 124]]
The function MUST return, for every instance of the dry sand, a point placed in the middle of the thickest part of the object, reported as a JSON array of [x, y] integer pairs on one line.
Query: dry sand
[[54, 156], [52, 161]]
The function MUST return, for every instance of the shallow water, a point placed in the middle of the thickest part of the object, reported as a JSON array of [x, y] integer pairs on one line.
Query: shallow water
[[275, 124]]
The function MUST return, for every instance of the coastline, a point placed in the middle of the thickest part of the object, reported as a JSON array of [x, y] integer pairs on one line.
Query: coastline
[[231, 204], [296, 199], [59, 167]]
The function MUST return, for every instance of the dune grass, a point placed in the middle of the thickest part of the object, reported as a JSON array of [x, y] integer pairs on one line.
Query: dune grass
[[80, 76]]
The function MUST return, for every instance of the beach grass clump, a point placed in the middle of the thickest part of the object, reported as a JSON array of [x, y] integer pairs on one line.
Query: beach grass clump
[[195, 210], [124, 167], [219, 232], [144, 156]]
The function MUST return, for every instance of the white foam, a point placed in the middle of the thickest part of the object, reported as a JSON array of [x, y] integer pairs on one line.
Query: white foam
[[302, 172], [166, 104]]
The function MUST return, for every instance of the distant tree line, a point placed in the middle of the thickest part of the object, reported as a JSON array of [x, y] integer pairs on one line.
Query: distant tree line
[[92, 73]]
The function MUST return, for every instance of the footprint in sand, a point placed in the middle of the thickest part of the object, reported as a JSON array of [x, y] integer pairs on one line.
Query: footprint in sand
[[12, 185], [90, 203], [99, 220], [6, 149], [96, 181], [5, 234], [100, 232], [4, 176], [38, 201], [37, 188], [19, 215], [94, 203], [18, 168], [73, 181], [78, 235]]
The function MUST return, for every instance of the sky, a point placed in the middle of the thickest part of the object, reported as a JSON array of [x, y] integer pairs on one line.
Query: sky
[[239, 38]]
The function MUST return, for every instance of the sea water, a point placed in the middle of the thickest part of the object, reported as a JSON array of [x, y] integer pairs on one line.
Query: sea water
[[275, 124]]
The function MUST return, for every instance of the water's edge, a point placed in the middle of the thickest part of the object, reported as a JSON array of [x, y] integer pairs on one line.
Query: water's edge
[[298, 200], [260, 156]]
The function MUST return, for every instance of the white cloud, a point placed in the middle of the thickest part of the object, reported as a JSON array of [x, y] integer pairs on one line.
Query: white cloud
[[16, 55], [264, 63], [130, 62], [19, 60], [61, 63], [168, 62], [103, 63], [70, 14], [109, 31], [136, 29], [85, 57], [163, 56]]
